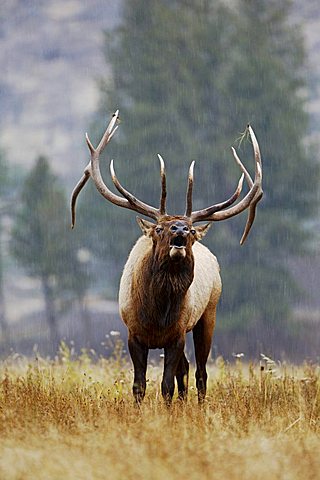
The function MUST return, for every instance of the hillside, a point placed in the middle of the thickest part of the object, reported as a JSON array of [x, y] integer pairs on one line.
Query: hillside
[[51, 57]]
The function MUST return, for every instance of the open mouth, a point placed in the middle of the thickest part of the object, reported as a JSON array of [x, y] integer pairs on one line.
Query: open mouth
[[178, 242]]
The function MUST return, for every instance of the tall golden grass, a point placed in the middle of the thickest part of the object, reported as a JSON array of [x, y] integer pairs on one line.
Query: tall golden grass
[[76, 419]]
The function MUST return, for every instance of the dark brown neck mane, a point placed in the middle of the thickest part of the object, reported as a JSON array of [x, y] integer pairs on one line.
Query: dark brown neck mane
[[166, 282]]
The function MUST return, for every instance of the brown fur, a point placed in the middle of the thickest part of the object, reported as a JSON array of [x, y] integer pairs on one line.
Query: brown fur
[[162, 298]]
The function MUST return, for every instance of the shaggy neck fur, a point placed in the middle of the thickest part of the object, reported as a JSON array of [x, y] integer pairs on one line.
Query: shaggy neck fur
[[166, 283]]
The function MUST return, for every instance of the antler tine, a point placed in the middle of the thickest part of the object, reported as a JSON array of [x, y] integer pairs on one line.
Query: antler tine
[[90, 146], [259, 194], [251, 217], [108, 134], [189, 190], [242, 167], [77, 189], [136, 204], [163, 198], [256, 150]]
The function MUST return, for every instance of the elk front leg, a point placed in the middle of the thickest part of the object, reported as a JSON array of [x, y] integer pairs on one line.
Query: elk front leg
[[182, 376], [139, 356], [172, 357]]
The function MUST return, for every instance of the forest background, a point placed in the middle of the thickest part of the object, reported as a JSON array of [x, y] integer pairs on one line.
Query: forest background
[[187, 78]]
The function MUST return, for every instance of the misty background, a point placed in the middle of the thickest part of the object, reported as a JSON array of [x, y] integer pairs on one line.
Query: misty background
[[187, 77]]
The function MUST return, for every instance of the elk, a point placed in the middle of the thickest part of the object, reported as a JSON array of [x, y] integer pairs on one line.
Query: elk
[[171, 283]]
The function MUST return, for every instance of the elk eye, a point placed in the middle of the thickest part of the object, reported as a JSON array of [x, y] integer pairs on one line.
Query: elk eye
[[185, 229], [174, 228], [159, 230], [193, 231]]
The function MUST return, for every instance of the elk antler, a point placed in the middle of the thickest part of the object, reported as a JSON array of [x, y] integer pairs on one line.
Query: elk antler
[[93, 170], [163, 186], [216, 213]]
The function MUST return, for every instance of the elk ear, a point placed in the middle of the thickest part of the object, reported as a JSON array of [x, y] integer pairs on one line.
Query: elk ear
[[145, 226], [201, 230]]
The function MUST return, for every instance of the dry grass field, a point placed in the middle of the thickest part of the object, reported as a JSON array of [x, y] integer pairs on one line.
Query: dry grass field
[[75, 419]]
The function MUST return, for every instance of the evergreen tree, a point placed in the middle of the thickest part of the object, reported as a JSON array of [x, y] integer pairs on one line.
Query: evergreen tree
[[166, 107], [4, 210], [43, 245], [264, 87], [187, 77]]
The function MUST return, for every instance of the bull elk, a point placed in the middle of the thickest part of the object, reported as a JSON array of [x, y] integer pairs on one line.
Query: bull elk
[[171, 283]]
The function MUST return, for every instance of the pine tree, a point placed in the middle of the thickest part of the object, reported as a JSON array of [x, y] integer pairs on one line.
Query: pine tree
[[265, 87], [156, 85], [43, 245], [4, 210], [188, 77]]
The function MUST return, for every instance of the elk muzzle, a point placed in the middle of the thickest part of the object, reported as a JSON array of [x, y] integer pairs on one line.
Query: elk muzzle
[[178, 242]]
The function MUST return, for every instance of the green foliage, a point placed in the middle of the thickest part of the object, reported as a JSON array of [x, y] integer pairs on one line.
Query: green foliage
[[264, 88], [188, 77], [41, 240], [156, 84], [7, 191], [3, 176]]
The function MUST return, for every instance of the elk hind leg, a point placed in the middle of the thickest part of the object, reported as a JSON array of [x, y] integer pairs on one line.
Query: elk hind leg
[[202, 337]]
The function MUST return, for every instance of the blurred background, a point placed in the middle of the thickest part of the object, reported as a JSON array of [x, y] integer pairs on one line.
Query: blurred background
[[187, 76]]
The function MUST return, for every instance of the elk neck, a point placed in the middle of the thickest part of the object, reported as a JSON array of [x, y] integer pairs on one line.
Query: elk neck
[[166, 284]]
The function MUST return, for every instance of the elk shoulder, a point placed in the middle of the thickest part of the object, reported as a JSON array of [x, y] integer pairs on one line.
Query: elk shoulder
[[205, 288]]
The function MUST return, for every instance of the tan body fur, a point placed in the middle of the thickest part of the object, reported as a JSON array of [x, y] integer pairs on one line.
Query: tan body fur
[[201, 298]]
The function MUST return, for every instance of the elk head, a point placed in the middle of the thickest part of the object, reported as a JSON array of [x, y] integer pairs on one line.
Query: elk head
[[174, 235]]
